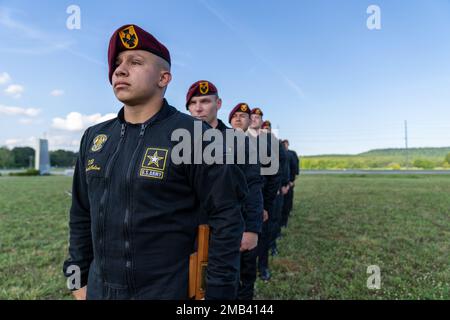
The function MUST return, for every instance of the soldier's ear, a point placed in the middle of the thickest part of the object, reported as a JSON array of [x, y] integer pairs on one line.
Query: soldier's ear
[[165, 79], [219, 103]]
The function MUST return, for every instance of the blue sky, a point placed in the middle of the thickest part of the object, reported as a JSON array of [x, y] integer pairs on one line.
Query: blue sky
[[327, 82]]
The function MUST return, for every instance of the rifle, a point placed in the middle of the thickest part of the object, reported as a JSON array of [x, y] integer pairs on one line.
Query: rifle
[[198, 261]]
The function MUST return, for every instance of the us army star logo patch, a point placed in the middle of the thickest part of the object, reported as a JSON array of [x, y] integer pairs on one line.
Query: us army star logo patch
[[154, 163]]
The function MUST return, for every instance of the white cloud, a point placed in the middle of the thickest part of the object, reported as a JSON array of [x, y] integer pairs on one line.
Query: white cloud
[[14, 111], [63, 142], [57, 93], [12, 142], [14, 90], [4, 78], [76, 121], [21, 142]]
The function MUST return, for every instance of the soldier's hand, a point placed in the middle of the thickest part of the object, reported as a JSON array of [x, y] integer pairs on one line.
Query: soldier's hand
[[265, 216], [80, 294], [249, 241], [284, 190]]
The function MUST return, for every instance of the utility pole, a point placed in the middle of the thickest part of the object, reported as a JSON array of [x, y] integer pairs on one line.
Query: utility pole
[[406, 144]]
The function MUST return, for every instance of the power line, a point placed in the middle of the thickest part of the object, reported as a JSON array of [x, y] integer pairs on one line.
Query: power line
[[406, 143]]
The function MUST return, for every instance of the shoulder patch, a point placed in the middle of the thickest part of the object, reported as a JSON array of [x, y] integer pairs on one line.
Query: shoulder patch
[[98, 142]]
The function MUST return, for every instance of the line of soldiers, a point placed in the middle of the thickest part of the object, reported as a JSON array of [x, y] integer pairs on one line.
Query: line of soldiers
[[135, 210], [263, 227]]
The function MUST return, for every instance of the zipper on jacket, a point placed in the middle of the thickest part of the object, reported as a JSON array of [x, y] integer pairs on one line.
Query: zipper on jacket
[[128, 254], [102, 209]]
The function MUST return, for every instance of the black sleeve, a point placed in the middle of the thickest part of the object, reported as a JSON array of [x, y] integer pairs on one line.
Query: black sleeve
[[288, 169], [297, 164], [284, 165], [80, 237], [292, 166], [222, 190], [272, 183], [253, 205]]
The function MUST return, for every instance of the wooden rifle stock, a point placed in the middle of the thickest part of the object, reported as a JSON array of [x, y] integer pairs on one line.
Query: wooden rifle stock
[[198, 262]]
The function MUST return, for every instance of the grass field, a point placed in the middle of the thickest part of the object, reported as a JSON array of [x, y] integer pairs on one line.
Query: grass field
[[340, 226]]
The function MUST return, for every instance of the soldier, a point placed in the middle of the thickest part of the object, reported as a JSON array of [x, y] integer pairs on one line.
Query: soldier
[[272, 184], [294, 171], [203, 102], [134, 213], [266, 126], [276, 217]]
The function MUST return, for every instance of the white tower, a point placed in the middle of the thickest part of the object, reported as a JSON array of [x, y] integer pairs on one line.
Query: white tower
[[42, 162]]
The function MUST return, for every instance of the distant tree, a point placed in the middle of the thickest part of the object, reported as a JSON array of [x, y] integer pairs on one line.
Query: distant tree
[[322, 165], [394, 166], [424, 164], [305, 163], [22, 156], [6, 158], [447, 158], [63, 158]]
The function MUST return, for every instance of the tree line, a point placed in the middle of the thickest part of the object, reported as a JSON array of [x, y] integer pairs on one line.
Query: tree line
[[373, 162], [23, 157]]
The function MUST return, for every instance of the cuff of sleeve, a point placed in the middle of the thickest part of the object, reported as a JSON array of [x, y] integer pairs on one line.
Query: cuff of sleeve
[[253, 228], [83, 280]]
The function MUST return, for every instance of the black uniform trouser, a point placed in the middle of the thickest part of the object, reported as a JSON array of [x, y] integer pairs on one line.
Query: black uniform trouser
[[287, 207], [275, 221], [263, 247], [248, 274]]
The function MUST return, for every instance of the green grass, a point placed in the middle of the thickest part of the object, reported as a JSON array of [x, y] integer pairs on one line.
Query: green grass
[[340, 226], [33, 237], [343, 224]]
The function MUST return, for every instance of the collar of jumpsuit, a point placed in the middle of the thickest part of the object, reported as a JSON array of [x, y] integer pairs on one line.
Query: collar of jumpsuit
[[163, 113]]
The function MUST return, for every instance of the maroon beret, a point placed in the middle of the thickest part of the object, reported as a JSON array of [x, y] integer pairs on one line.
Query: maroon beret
[[132, 37], [240, 107], [266, 125], [257, 111], [200, 88]]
